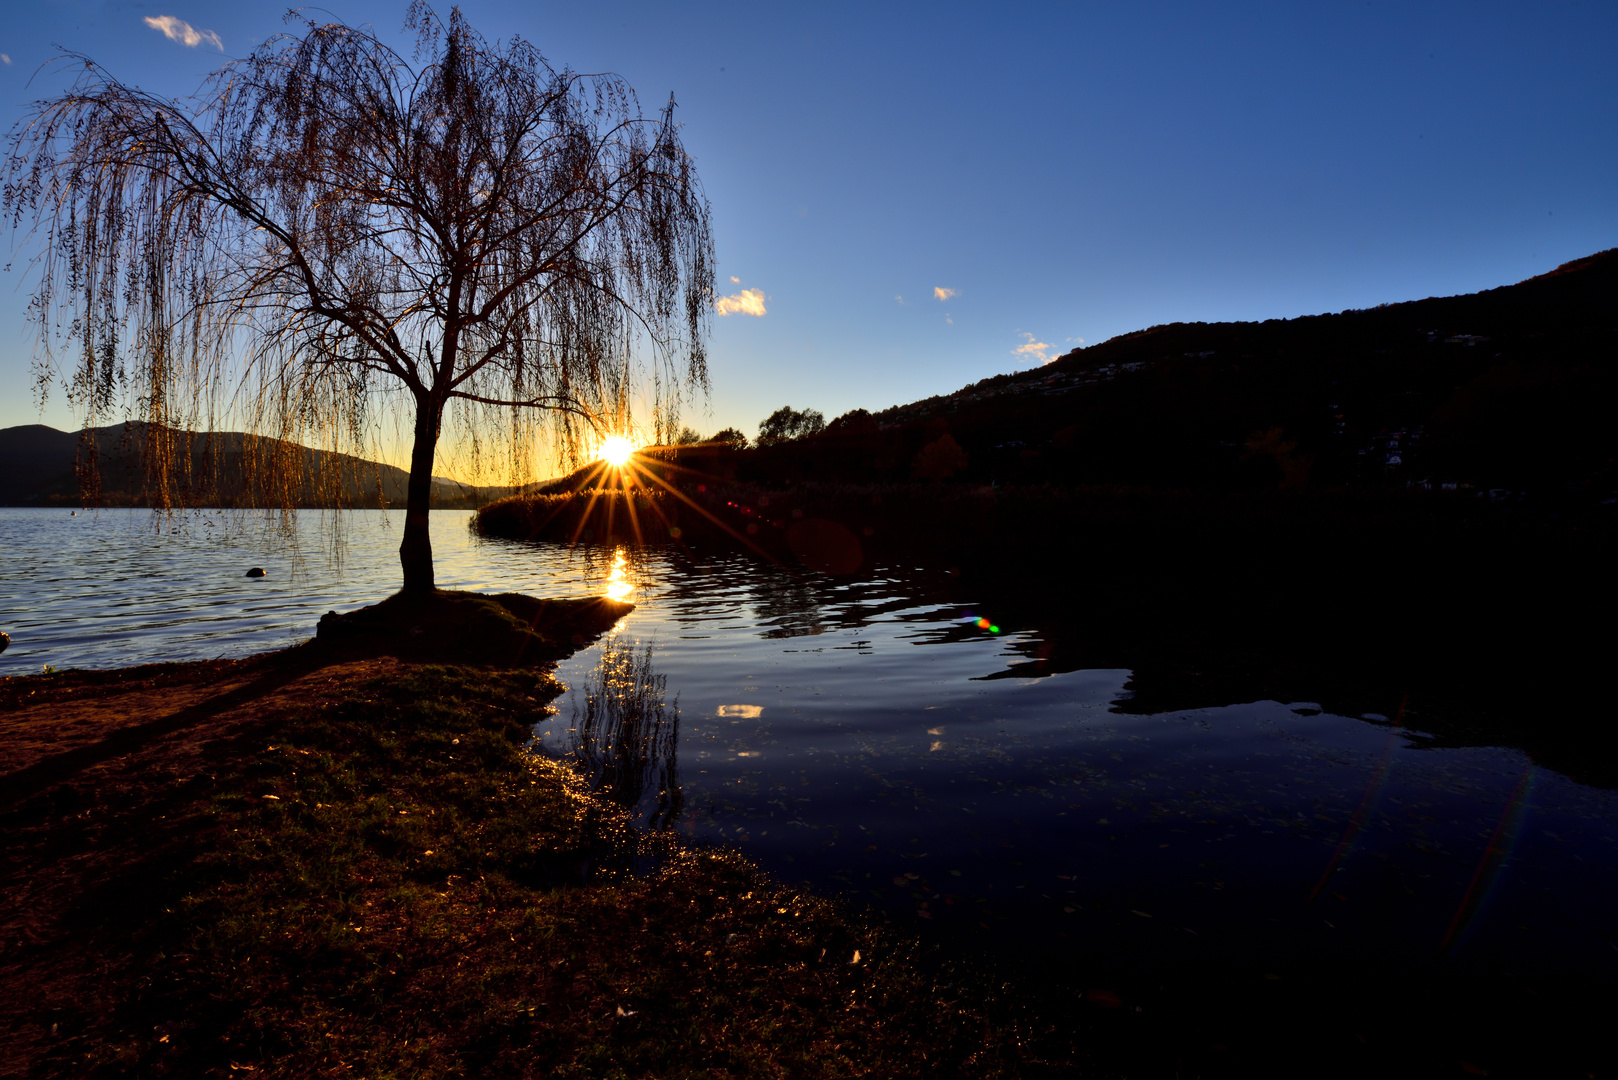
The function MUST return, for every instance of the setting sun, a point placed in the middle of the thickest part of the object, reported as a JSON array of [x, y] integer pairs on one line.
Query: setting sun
[[616, 450]]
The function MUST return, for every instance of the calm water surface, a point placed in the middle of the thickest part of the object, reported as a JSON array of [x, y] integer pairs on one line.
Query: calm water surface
[[846, 734], [119, 587]]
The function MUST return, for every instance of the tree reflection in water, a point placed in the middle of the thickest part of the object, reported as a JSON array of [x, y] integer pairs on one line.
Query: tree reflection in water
[[625, 736]]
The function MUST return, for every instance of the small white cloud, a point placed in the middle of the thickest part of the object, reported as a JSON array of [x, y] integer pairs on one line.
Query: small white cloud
[[735, 281], [746, 302], [4, 59], [1033, 350], [897, 299], [948, 319], [182, 31], [943, 294]]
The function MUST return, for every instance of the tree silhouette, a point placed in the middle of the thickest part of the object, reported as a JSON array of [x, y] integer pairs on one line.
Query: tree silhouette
[[731, 437], [788, 423], [329, 229], [939, 459]]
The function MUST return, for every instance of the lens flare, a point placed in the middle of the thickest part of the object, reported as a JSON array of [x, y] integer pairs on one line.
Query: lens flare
[[615, 450], [1487, 876]]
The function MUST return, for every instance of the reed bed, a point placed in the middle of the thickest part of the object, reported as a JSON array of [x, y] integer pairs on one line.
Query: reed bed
[[626, 734]]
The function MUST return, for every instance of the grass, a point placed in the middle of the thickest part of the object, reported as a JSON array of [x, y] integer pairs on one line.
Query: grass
[[446, 625], [396, 888]]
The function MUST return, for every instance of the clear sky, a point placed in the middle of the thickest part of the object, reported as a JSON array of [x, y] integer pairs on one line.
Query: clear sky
[[928, 194]]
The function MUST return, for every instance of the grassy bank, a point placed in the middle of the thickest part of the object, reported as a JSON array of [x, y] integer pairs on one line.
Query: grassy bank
[[348, 865]]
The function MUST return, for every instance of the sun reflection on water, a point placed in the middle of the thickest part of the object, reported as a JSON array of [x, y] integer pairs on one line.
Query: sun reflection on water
[[618, 583]]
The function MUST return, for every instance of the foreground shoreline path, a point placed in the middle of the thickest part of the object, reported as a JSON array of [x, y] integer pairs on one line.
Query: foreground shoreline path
[[335, 860]]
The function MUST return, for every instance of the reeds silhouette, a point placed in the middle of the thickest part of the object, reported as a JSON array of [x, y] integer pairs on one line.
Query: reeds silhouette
[[626, 736]]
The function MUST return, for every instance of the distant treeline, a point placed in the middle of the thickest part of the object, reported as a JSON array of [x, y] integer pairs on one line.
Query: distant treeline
[[1512, 391], [119, 466]]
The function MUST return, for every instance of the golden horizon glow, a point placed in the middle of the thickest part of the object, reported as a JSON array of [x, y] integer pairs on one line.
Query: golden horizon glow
[[615, 450]]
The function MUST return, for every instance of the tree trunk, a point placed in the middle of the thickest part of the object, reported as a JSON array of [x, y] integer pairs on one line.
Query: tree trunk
[[416, 549]]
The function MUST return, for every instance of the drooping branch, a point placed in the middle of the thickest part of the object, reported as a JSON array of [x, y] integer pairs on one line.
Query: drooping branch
[[326, 220]]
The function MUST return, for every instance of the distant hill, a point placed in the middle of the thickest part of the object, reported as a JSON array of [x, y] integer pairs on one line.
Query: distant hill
[[1233, 511], [1513, 389], [41, 466]]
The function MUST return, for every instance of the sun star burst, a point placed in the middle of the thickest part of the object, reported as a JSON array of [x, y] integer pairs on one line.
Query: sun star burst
[[615, 450]]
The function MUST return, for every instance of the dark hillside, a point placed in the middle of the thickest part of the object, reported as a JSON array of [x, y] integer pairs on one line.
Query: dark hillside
[[1235, 511], [35, 462], [1511, 389], [41, 466]]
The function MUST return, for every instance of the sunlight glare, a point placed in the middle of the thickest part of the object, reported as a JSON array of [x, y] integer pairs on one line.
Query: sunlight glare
[[618, 584], [615, 450]]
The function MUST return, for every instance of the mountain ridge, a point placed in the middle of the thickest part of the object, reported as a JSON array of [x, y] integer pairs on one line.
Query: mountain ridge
[[1510, 388], [44, 466]]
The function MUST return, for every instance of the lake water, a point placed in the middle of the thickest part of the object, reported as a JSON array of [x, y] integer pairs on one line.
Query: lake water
[[847, 734], [112, 588]]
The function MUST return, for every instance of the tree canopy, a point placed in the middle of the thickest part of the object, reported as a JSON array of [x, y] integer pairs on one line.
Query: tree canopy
[[788, 423], [329, 229], [731, 437]]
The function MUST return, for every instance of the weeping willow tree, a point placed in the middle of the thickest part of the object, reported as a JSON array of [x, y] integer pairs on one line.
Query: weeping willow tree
[[329, 230]]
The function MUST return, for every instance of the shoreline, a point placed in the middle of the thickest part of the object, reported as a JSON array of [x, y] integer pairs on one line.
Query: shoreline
[[329, 857], [1479, 619]]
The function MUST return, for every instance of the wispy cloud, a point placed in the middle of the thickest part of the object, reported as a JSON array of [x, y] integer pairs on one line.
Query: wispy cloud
[[1032, 349], [4, 59], [182, 31], [943, 294], [746, 302], [735, 280]]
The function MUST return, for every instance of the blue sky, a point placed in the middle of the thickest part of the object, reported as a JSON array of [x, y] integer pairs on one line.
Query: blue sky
[[1054, 172]]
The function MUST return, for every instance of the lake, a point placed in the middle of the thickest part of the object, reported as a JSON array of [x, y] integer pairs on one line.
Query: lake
[[871, 738]]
